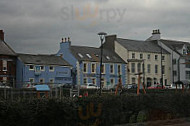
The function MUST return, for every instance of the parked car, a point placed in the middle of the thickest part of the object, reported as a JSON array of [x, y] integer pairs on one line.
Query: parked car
[[156, 86], [89, 86], [173, 86]]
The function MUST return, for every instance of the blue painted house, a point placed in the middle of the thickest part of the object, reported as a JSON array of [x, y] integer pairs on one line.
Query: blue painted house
[[86, 64], [49, 69]]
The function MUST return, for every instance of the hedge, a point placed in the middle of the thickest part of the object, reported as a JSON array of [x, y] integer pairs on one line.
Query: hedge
[[102, 110]]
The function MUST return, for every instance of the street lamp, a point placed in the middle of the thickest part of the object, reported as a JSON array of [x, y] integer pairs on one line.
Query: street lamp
[[102, 37]]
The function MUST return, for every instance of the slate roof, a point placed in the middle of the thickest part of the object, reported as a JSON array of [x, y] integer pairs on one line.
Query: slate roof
[[5, 49], [108, 56], [141, 46], [43, 59], [174, 45]]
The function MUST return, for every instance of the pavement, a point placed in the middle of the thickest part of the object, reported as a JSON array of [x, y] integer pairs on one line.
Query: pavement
[[174, 122]]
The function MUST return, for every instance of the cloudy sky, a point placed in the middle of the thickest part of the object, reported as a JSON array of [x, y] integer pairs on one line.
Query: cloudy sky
[[33, 26]]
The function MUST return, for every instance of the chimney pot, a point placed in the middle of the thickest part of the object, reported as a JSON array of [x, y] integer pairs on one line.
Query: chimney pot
[[65, 39], [62, 40], [1, 35], [68, 39]]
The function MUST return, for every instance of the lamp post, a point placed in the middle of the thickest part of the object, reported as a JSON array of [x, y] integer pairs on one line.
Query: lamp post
[[102, 37]]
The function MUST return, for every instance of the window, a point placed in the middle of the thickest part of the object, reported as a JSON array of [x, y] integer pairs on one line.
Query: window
[[143, 67], [103, 68], [133, 80], [119, 69], [94, 81], [42, 68], [112, 82], [111, 68], [165, 81], [85, 67], [4, 65], [4, 79], [141, 56], [148, 68], [51, 80], [85, 80], [163, 57], [133, 67], [93, 68], [156, 57], [148, 56], [31, 80], [163, 69], [156, 69], [41, 80], [107, 57], [103, 82], [175, 73], [80, 55], [133, 55], [174, 61], [89, 56], [139, 67], [184, 51], [51, 68], [187, 65], [31, 67], [188, 75]]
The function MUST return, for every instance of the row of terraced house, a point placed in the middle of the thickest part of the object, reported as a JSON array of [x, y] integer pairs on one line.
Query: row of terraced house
[[158, 60]]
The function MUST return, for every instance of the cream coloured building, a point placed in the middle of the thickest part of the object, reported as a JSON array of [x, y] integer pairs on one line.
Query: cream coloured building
[[142, 57]]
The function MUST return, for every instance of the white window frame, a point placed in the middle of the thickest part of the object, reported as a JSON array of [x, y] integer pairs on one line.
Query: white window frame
[[32, 68], [132, 68], [93, 78], [134, 80], [156, 57], [41, 68], [103, 82], [104, 68], [148, 56], [5, 65], [113, 81], [156, 69], [85, 78], [86, 67], [133, 56], [33, 80], [51, 79], [4, 79], [118, 69], [148, 68], [112, 72], [42, 79], [52, 69], [94, 67]]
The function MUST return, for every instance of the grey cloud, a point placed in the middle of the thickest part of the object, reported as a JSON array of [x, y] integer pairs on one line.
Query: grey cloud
[[38, 26]]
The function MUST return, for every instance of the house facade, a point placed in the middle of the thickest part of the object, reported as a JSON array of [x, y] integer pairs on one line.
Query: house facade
[[40, 69], [143, 57], [86, 64], [180, 70], [7, 63]]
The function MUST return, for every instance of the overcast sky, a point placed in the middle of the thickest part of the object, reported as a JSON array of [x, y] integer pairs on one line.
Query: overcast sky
[[34, 26]]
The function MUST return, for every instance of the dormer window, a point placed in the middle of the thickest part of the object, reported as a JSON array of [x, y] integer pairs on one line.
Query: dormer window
[[107, 57], [89, 56], [80, 55]]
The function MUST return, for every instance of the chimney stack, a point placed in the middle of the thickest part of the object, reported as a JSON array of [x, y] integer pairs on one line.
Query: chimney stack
[[155, 34], [1, 35]]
